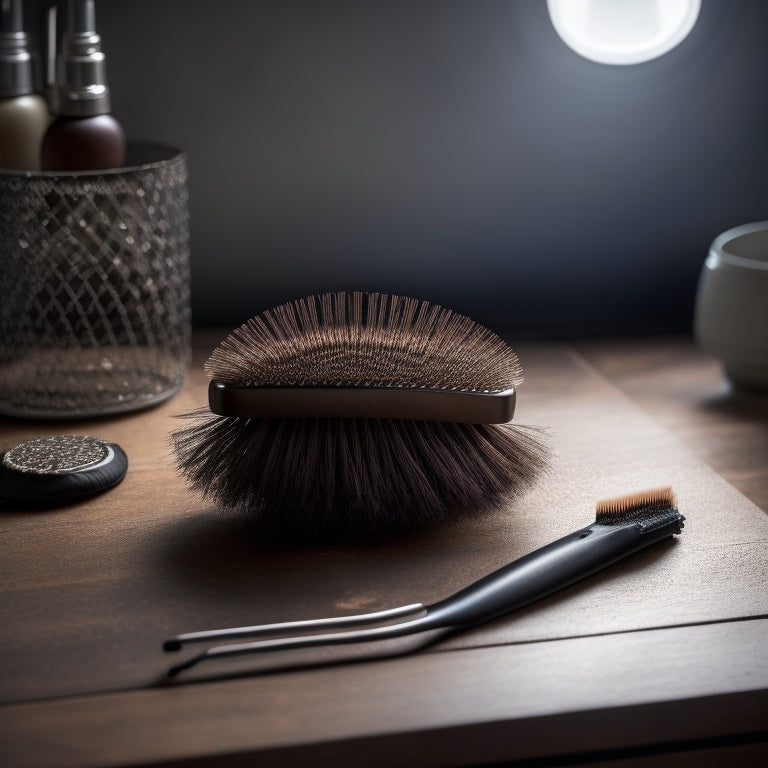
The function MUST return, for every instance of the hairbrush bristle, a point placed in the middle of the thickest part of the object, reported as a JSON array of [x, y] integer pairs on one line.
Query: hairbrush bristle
[[635, 505], [359, 475], [356, 475], [365, 340]]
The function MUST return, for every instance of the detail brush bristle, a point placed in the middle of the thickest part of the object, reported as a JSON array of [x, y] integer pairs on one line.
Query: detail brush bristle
[[645, 507], [357, 470]]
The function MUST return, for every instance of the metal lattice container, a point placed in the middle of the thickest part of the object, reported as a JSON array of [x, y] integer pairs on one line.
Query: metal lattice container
[[94, 287]]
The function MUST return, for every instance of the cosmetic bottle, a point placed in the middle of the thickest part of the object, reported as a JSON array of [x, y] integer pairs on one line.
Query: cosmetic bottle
[[24, 114], [83, 136]]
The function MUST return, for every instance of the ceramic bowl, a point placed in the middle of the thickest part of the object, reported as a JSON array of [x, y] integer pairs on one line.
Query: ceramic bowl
[[731, 315]]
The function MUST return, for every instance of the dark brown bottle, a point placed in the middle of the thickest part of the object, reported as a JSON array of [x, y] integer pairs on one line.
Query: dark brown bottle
[[84, 136], [83, 144]]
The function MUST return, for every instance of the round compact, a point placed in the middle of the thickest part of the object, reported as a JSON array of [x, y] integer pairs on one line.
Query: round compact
[[60, 469]]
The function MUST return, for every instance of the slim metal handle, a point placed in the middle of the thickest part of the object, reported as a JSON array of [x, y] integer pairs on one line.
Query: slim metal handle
[[292, 627], [383, 632]]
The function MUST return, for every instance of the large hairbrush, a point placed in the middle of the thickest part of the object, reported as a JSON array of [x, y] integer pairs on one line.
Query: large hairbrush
[[358, 413]]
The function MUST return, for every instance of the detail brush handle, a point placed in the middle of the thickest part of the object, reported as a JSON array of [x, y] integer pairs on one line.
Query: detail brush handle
[[549, 569], [619, 531]]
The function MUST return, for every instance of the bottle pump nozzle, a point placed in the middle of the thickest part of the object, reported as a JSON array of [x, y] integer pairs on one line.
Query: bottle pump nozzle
[[82, 84], [15, 61]]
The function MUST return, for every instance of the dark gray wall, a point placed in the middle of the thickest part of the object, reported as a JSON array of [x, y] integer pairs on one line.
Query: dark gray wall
[[453, 150]]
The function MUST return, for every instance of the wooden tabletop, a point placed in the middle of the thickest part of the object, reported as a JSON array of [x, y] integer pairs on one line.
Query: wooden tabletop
[[662, 658]]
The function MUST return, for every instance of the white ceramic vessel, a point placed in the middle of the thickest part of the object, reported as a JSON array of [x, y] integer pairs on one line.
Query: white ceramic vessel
[[731, 316]]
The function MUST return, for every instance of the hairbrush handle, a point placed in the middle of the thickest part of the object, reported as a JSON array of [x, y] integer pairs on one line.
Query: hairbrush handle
[[367, 402], [549, 569]]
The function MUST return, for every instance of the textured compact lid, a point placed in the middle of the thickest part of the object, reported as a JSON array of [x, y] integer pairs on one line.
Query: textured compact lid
[[59, 469]]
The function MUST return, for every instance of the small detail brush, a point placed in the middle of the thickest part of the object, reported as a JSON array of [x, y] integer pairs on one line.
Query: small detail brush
[[622, 526], [359, 413]]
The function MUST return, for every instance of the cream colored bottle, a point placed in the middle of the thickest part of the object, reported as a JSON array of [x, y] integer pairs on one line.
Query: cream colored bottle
[[24, 115], [23, 122]]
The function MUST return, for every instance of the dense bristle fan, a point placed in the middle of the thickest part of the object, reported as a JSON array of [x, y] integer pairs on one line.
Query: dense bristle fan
[[360, 413]]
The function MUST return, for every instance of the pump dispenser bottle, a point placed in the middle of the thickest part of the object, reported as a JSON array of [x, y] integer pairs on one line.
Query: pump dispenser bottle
[[84, 136], [24, 114]]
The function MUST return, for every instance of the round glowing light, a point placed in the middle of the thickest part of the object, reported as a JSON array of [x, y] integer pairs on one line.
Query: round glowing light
[[623, 31]]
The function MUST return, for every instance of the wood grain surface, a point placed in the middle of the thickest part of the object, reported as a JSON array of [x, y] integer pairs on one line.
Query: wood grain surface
[[688, 393], [90, 591]]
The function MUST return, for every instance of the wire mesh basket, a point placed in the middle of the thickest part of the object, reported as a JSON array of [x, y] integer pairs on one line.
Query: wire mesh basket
[[94, 287]]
